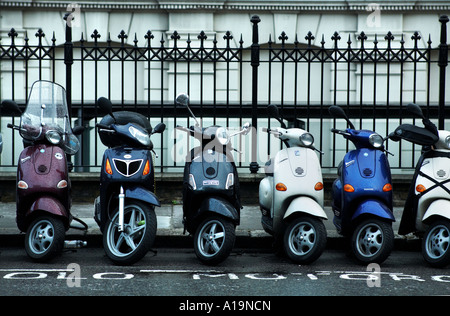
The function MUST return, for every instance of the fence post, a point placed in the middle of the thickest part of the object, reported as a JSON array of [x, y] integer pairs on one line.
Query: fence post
[[68, 61], [443, 62], [255, 64]]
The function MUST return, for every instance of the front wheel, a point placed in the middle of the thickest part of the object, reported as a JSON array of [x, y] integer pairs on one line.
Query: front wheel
[[45, 238], [133, 243], [214, 240], [304, 239], [372, 241], [436, 244]]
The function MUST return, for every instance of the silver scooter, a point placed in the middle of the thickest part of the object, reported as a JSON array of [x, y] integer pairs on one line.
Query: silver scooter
[[291, 195]]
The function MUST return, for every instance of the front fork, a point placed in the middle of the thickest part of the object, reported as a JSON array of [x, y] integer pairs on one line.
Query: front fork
[[121, 208]]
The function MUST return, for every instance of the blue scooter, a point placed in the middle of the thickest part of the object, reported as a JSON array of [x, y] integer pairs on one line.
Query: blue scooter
[[125, 209], [362, 194]]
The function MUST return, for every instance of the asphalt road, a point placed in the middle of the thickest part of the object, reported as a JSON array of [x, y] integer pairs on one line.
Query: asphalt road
[[256, 276]]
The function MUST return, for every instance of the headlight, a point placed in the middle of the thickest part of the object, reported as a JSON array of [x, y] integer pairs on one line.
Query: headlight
[[142, 137], [222, 135], [376, 140], [307, 139], [53, 137]]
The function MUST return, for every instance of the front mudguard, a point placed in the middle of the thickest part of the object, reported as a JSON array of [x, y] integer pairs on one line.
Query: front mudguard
[[374, 208], [306, 205], [438, 208], [215, 205], [220, 206], [141, 194], [46, 204], [105, 204]]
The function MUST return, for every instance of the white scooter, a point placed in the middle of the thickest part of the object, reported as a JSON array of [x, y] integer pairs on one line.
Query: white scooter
[[291, 195], [427, 208]]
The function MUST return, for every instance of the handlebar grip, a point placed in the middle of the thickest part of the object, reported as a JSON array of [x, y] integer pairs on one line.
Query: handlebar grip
[[265, 129], [9, 125], [334, 130]]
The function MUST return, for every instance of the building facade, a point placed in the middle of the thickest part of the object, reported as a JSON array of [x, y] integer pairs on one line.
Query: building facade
[[303, 27]]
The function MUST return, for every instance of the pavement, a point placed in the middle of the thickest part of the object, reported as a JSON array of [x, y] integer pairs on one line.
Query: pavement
[[249, 233]]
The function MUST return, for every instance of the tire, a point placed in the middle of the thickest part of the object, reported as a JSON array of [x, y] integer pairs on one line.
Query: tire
[[44, 239], [214, 239], [436, 244], [131, 245], [372, 241], [304, 239]]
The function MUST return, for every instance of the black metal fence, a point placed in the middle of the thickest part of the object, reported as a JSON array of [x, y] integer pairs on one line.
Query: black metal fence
[[373, 77]]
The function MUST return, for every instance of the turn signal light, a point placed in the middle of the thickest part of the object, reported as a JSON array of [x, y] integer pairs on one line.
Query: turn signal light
[[62, 184], [281, 187], [22, 185], [108, 168], [349, 188], [318, 186], [387, 187], [420, 188], [146, 169]]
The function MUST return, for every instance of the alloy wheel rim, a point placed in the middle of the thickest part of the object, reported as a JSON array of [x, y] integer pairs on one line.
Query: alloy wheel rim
[[41, 236], [211, 238], [369, 240], [124, 243], [302, 239], [437, 242]]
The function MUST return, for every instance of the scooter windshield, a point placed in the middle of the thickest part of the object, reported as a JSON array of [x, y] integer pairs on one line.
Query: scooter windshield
[[46, 117]]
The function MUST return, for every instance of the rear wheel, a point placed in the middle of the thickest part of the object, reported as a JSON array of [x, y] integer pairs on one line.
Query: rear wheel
[[436, 244], [133, 243], [372, 241], [304, 239], [45, 238], [214, 240]]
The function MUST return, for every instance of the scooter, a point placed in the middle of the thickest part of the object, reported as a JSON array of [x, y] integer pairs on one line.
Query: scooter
[[427, 209], [362, 194], [43, 185], [291, 194], [211, 197], [125, 209]]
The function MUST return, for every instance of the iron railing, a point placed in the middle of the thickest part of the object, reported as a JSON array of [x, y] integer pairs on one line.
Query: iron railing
[[373, 77]]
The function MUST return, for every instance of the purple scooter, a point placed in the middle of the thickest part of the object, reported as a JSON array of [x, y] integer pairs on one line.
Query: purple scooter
[[43, 184]]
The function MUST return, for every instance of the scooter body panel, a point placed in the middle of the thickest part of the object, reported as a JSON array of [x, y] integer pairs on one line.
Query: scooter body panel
[[42, 167], [127, 171], [209, 192], [367, 171], [436, 201], [298, 168]]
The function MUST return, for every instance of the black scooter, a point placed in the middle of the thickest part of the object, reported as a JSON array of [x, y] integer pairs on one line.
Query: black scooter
[[125, 209], [211, 197]]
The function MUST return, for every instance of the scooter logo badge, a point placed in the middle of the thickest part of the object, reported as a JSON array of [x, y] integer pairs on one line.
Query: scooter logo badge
[[25, 159], [347, 164]]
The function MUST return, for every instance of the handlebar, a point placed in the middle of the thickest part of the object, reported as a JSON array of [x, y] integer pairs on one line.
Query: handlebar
[[271, 131], [102, 126]]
